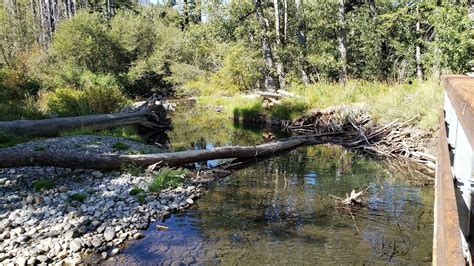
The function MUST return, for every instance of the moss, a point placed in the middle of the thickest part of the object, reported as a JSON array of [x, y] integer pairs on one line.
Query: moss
[[43, 184], [167, 178], [78, 197]]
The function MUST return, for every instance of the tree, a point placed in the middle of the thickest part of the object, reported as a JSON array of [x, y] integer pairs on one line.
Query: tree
[[267, 53], [341, 39], [301, 41]]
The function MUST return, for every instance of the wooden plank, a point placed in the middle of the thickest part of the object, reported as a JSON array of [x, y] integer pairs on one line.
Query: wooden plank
[[447, 245], [460, 90]]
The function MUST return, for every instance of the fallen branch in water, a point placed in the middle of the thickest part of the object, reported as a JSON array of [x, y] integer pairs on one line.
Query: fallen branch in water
[[396, 140], [15, 158]]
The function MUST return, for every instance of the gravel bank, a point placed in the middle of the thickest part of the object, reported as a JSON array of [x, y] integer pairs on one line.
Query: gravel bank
[[86, 212]]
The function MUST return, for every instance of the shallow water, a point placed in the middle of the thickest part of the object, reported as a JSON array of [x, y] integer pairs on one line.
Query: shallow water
[[280, 211]]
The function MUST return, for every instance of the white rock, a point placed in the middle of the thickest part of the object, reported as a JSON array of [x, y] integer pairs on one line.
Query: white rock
[[75, 245], [109, 234], [115, 251], [20, 261]]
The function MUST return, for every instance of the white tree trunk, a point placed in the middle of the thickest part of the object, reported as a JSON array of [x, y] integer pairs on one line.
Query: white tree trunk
[[341, 39]]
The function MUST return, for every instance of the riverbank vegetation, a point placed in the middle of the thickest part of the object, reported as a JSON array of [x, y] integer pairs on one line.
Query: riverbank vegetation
[[96, 58]]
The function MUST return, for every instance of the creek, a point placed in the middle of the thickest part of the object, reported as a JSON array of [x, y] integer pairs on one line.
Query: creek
[[280, 210]]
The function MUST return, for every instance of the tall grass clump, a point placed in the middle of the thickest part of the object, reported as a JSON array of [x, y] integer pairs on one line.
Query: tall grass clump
[[167, 178], [385, 102]]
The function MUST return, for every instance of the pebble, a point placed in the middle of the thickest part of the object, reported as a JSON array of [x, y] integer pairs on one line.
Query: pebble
[[21, 261], [75, 245], [115, 251], [109, 234], [96, 242], [61, 255], [51, 228], [104, 255], [42, 258], [97, 174]]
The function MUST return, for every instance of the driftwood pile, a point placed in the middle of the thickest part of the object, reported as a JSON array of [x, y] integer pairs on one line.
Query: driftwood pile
[[357, 131]]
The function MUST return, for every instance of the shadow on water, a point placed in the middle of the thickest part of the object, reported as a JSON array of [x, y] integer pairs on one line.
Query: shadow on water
[[279, 211]]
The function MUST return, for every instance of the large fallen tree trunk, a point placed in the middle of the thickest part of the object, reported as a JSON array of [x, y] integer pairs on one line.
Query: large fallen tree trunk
[[14, 158], [149, 114]]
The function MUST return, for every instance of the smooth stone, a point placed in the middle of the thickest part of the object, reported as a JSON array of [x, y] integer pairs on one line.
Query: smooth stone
[[109, 234], [138, 235], [115, 251], [42, 258], [61, 255], [21, 261], [75, 245], [103, 255], [189, 201], [30, 199], [39, 200], [96, 242], [22, 238], [97, 174], [71, 234]]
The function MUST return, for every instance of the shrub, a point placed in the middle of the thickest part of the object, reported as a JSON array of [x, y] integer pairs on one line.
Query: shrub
[[167, 178], [99, 94], [43, 184]]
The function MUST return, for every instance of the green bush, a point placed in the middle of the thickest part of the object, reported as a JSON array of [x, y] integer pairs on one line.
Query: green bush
[[167, 178], [99, 94]]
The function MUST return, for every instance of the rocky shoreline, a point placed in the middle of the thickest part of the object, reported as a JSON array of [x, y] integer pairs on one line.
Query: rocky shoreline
[[87, 213]]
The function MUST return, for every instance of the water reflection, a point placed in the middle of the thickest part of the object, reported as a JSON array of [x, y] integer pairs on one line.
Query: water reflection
[[279, 211]]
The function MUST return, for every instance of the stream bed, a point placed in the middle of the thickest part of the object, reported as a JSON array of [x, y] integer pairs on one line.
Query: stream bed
[[281, 210]]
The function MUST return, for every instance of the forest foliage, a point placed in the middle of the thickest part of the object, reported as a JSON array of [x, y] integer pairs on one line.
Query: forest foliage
[[97, 57]]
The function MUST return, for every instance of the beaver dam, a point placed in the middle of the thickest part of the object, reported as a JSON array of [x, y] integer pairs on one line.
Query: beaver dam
[[283, 209]]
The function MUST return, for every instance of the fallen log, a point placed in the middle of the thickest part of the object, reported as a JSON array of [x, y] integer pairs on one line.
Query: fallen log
[[151, 114], [15, 158]]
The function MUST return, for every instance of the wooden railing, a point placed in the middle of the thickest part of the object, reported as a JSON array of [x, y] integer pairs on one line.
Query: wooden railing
[[454, 174], [447, 245]]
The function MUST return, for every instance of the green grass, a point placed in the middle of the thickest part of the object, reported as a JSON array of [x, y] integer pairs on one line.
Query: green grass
[[43, 184], [7, 140], [78, 197], [120, 146], [385, 102], [141, 198], [248, 111], [129, 133], [167, 178], [135, 191]]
